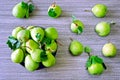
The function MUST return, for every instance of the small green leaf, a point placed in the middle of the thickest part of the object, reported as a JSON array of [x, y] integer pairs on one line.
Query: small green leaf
[[98, 59], [52, 13], [13, 43], [73, 18], [24, 5], [46, 41], [80, 30], [87, 49], [92, 60], [31, 8], [27, 13], [38, 36], [43, 56]]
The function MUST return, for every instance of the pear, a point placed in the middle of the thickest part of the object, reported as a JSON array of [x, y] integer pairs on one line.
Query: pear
[[31, 45], [18, 10], [77, 26], [51, 33], [99, 10], [50, 60], [23, 46], [36, 55], [37, 34], [30, 27], [96, 69], [76, 48], [30, 64], [52, 46], [23, 35], [17, 56], [103, 29], [109, 50], [16, 30], [54, 10]]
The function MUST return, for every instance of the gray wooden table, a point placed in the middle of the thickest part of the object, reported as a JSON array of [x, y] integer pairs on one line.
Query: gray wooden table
[[67, 66]]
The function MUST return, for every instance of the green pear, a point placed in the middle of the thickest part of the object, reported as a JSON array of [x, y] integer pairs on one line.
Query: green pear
[[77, 26], [36, 55], [23, 35], [16, 30], [54, 11], [50, 60], [30, 64], [23, 46], [96, 69], [76, 48], [109, 50], [51, 33], [103, 29], [100, 10], [52, 46], [31, 45], [18, 10], [17, 56], [37, 34], [30, 27]]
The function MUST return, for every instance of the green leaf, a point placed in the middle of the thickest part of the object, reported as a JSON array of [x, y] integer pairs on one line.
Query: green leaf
[[92, 60], [31, 8], [43, 56], [73, 18], [87, 49], [52, 13], [27, 13], [98, 59], [13, 43], [46, 41], [38, 36], [80, 30], [24, 5]]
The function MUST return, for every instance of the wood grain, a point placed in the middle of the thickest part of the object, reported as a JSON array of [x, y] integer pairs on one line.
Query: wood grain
[[67, 66]]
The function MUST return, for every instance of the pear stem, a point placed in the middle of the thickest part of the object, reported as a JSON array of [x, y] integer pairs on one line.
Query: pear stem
[[26, 47], [87, 10], [71, 39], [112, 23], [54, 4], [59, 43]]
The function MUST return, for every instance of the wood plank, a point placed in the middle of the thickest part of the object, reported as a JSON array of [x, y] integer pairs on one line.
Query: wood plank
[[67, 67]]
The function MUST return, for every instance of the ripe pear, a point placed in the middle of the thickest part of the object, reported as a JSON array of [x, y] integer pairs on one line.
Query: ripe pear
[[37, 34], [109, 50], [52, 46], [36, 55], [31, 45], [76, 48], [103, 28], [96, 69], [16, 30], [77, 26], [30, 64], [51, 33], [23, 35], [18, 11], [17, 56], [50, 60]]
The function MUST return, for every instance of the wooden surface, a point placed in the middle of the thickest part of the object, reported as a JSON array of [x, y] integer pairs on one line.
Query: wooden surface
[[67, 66]]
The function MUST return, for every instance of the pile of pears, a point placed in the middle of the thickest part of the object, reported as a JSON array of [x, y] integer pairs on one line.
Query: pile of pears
[[33, 46]]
